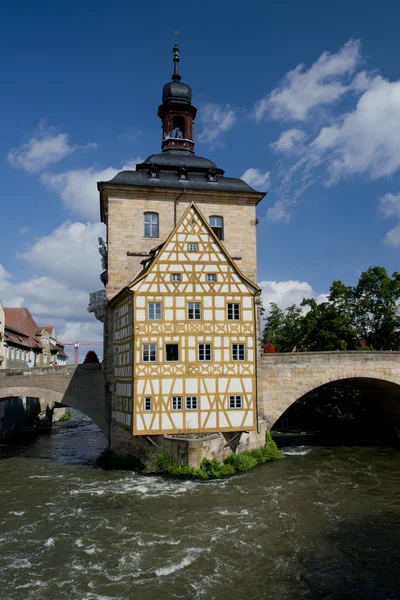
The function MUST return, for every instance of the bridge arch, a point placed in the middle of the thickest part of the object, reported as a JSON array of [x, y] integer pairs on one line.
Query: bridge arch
[[77, 386], [289, 377]]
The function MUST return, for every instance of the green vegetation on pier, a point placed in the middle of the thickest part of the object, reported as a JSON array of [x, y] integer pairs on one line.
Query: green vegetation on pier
[[162, 463]]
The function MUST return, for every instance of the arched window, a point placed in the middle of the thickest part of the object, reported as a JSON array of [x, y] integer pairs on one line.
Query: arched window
[[217, 225], [151, 224], [178, 127]]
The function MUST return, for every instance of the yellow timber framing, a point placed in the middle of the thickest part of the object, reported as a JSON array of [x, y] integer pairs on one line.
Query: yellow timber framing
[[188, 334]]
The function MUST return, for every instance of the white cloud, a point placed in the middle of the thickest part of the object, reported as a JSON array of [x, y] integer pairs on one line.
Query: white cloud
[[4, 274], [289, 141], [54, 303], [46, 298], [389, 207], [216, 120], [302, 90], [47, 148], [392, 238], [69, 254], [78, 187], [256, 178], [365, 140], [286, 293]]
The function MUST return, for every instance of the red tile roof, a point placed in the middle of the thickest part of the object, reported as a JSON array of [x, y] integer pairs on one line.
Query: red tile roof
[[21, 319]]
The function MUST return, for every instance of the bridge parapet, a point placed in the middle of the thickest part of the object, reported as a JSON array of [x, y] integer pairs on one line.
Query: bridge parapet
[[78, 386]]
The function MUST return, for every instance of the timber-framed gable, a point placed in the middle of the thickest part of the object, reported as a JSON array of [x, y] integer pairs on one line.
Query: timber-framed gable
[[190, 363]]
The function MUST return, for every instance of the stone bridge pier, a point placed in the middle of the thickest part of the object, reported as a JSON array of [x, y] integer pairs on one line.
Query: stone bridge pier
[[287, 377], [77, 386]]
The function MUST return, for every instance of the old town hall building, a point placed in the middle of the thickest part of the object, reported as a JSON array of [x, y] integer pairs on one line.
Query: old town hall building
[[181, 327]]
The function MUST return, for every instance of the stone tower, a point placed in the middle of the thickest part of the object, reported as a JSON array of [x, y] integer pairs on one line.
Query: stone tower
[[141, 208]]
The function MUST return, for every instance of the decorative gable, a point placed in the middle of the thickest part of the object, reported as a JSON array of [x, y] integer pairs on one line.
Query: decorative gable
[[192, 260]]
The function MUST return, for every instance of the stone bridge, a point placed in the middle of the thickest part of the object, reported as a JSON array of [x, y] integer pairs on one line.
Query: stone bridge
[[287, 377], [77, 386]]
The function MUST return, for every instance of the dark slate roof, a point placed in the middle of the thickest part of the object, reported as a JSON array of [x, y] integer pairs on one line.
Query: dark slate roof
[[169, 163], [178, 158]]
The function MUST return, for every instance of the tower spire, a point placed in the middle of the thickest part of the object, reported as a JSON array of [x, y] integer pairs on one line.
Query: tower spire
[[176, 76]]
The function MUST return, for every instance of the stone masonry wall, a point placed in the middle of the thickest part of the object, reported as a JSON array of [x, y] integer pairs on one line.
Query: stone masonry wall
[[288, 377]]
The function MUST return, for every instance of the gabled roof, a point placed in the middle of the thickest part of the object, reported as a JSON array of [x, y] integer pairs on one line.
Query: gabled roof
[[21, 319], [157, 252], [19, 322]]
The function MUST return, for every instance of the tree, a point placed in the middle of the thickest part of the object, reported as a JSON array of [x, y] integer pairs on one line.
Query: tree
[[283, 328], [91, 357], [324, 327], [367, 313], [376, 307]]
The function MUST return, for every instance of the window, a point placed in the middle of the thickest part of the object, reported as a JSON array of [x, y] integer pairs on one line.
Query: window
[[238, 352], [235, 401], [217, 225], [149, 352], [147, 404], [192, 247], [233, 312], [211, 277], [176, 402], [194, 311], [191, 402], [154, 311], [204, 352], [171, 352], [151, 225], [178, 127], [176, 276]]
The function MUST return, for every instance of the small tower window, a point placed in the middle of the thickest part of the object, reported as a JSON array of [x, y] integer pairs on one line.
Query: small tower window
[[153, 172], [183, 174], [217, 225], [178, 128], [212, 175], [151, 220]]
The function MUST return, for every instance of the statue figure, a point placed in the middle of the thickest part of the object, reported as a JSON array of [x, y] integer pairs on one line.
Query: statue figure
[[103, 253]]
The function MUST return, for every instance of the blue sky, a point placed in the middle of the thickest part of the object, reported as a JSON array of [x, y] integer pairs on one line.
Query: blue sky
[[302, 99]]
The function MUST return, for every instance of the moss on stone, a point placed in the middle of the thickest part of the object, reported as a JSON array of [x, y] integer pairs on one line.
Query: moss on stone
[[162, 463]]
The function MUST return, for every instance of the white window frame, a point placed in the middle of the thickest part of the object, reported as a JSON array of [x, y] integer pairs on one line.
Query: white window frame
[[233, 313], [216, 222], [176, 276], [240, 351], [192, 247], [147, 348], [152, 307], [152, 224], [191, 403], [202, 352], [191, 307], [176, 402], [148, 404], [235, 402], [211, 277]]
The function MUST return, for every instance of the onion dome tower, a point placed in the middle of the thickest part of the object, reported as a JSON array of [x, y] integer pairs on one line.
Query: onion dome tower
[[177, 112]]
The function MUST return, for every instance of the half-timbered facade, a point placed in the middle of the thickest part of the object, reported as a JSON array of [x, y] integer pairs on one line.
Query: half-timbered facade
[[185, 339]]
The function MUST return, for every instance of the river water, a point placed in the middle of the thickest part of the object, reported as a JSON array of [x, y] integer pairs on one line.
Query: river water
[[321, 524]]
